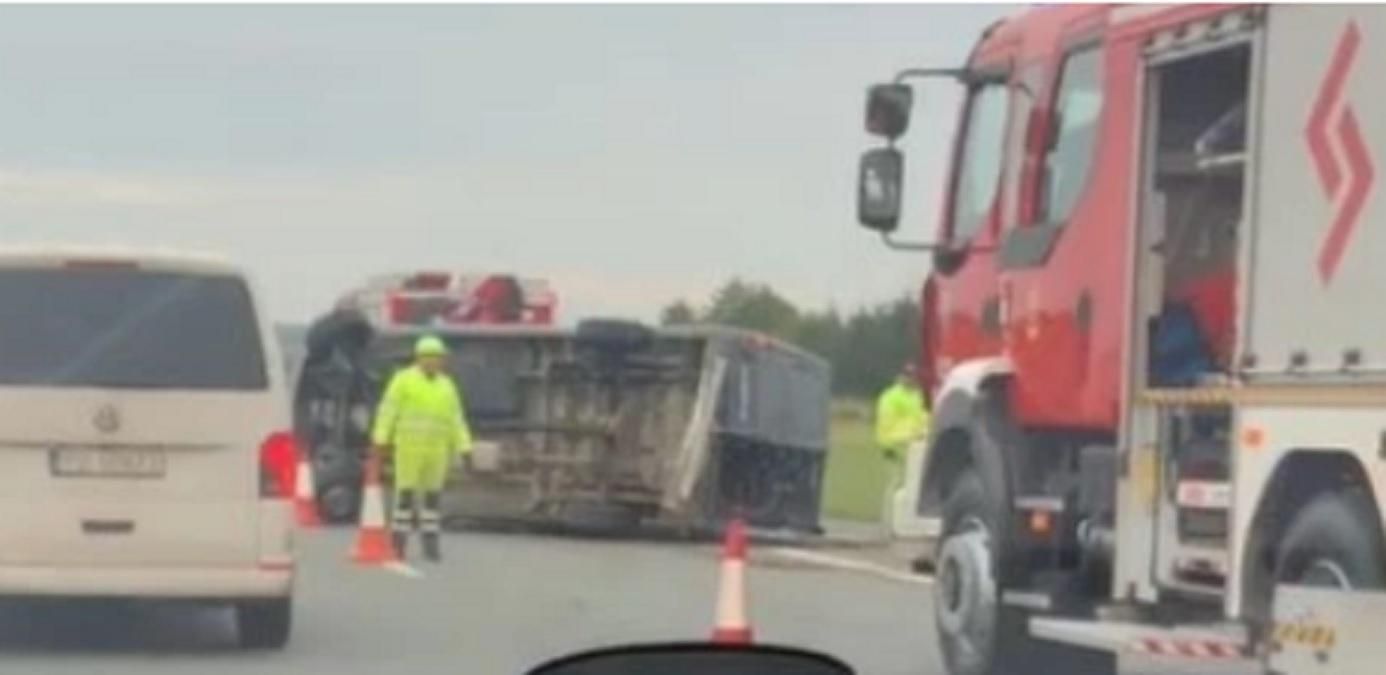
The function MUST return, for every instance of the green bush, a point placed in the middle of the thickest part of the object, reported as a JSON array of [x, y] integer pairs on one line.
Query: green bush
[[866, 346]]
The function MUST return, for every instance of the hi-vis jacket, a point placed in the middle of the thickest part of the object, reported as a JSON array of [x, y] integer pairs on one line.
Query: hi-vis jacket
[[422, 415], [901, 417]]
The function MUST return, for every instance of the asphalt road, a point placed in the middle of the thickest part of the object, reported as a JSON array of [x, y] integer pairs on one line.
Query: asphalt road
[[500, 604]]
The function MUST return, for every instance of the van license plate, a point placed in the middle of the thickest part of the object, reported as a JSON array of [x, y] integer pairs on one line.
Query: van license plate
[[107, 462]]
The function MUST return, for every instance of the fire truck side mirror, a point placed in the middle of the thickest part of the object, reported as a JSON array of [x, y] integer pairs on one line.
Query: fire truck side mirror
[[879, 179], [888, 110]]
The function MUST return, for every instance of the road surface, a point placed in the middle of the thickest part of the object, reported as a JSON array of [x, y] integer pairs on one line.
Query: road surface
[[500, 604]]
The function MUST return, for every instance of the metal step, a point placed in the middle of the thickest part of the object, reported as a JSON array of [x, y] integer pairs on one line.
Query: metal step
[[1223, 642]]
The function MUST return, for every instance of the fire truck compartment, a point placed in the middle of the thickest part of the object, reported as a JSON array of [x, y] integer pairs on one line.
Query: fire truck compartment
[[1313, 296], [1190, 233], [1193, 200]]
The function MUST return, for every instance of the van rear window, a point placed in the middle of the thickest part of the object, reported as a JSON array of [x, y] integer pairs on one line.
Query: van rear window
[[127, 328]]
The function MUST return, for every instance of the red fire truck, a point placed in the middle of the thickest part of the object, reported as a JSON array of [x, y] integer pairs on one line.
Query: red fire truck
[[1153, 338]]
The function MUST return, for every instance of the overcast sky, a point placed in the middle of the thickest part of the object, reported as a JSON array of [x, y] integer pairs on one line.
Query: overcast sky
[[632, 155]]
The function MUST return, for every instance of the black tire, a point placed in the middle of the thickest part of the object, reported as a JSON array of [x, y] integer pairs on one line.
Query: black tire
[[264, 624], [998, 642], [613, 335], [1334, 541], [339, 503], [338, 473], [344, 329]]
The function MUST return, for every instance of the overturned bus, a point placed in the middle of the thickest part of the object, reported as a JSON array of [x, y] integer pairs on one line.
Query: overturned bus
[[608, 425]]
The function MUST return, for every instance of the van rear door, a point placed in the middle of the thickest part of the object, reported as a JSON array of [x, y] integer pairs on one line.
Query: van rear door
[[135, 403]]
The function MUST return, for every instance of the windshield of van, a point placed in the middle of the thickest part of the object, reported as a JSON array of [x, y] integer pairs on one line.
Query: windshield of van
[[124, 327]]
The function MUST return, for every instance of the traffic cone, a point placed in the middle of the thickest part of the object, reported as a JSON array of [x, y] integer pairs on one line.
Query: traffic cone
[[305, 503], [732, 626], [373, 544]]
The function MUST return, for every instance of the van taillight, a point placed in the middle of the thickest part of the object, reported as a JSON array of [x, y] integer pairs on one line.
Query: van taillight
[[278, 466]]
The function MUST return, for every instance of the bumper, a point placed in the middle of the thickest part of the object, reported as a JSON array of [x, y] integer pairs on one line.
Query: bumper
[[148, 582]]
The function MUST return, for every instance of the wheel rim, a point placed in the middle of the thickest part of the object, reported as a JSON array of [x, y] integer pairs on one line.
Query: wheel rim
[[1326, 573], [965, 595]]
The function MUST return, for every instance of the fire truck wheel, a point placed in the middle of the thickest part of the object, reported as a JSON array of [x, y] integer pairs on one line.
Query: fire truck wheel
[[1334, 542], [977, 634], [965, 590]]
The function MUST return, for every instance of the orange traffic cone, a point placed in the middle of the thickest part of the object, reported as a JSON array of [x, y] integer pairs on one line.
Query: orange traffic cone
[[373, 544], [305, 503], [732, 626]]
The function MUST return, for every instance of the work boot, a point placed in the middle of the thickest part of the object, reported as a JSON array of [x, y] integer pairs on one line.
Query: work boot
[[401, 542], [433, 550]]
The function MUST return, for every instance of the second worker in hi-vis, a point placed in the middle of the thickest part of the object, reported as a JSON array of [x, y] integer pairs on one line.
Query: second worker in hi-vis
[[421, 419]]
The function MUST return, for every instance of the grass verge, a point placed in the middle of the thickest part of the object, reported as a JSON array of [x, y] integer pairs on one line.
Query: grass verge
[[856, 475]]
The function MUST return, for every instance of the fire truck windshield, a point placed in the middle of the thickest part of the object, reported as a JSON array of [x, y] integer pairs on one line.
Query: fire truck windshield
[[980, 165]]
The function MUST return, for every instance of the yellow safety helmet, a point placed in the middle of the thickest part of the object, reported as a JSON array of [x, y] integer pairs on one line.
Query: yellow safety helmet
[[430, 345]]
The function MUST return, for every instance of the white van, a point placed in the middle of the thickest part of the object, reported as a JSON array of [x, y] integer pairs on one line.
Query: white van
[[144, 436]]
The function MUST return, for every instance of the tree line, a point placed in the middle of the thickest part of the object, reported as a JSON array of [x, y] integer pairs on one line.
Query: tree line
[[866, 346]]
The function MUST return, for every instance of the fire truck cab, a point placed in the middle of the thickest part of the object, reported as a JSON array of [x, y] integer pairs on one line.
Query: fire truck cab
[[1153, 339]]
